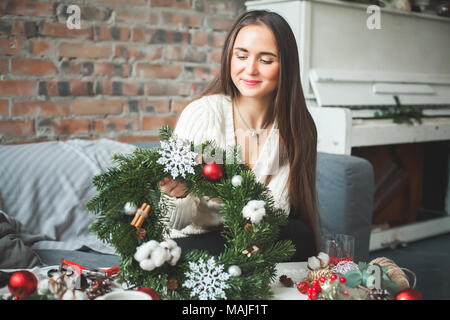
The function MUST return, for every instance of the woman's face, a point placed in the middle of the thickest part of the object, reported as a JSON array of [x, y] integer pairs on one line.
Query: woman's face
[[254, 63]]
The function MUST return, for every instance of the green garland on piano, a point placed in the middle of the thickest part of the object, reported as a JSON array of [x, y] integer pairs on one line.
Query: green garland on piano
[[400, 113], [134, 178]]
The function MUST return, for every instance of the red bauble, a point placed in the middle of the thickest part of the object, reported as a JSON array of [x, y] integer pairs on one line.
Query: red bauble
[[212, 172], [303, 287], [152, 293], [408, 294], [22, 284]]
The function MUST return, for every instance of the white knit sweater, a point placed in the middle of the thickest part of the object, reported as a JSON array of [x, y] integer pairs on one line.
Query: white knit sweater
[[211, 118]]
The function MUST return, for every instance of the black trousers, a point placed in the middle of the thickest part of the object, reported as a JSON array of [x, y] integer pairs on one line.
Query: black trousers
[[295, 230]]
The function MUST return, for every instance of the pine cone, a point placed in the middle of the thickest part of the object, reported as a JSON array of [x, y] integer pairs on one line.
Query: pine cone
[[172, 284], [318, 273], [286, 281], [140, 233], [379, 294]]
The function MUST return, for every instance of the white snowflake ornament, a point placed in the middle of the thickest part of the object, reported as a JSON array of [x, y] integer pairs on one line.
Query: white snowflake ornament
[[207, 281], [177, 157]]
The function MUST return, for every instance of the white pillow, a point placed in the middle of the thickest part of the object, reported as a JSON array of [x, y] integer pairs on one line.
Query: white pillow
[[46, 186]]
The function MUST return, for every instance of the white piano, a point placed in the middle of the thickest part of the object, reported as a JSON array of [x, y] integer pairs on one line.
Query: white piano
[[356, 59]]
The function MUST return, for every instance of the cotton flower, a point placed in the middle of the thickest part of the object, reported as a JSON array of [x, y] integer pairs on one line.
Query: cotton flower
[[313, 263], [153, 254], [324, 259], [254, 210]]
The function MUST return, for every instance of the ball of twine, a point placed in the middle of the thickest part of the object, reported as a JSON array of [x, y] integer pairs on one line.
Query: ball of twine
[[395, 273]]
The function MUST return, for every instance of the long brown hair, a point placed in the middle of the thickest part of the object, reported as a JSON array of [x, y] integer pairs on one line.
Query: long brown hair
[[298, 135]]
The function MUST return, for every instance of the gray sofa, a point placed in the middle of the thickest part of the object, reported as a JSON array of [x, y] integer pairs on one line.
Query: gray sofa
[[44, 187]]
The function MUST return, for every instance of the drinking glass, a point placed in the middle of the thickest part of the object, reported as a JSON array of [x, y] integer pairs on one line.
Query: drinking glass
[[339, 247]]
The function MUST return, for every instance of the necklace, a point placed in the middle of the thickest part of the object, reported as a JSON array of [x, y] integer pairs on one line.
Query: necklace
[[252, 132]]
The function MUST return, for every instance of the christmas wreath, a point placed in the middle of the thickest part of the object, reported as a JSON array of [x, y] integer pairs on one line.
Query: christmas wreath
[[131, 215]]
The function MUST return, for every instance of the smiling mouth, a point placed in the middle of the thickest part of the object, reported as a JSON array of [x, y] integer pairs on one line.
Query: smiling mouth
[[250, 82]]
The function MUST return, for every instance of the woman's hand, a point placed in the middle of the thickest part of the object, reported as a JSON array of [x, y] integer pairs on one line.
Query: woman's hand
[[173, 188]]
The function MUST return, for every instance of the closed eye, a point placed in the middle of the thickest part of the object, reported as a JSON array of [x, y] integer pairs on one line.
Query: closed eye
[[266, 61]]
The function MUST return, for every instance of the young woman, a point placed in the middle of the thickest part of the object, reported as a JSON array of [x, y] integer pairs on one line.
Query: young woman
[[256, 101]]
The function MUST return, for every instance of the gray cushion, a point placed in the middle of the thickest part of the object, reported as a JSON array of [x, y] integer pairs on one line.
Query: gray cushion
[[345, 187]]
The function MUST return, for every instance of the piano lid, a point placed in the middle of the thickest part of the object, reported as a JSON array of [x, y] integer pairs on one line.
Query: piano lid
[[356, 88]]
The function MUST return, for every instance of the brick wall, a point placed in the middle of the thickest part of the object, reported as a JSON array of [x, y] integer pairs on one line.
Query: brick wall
[[131, 67]]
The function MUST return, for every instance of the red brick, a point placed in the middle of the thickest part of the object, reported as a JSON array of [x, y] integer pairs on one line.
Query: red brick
[[222, 24], [202, 73], [32, 67], [11, 46], [40, 108], [81, 88], [129, 139], [167, 88], [56, 88], [143, 15], [160, 36], [215, 55], [214, 39], [93, 107], [39, 47], [17, 88], [147, 70], [24, 28], [154, 106], [103, 33], [4, 108], [27, 8], [17, 128], [121, 88], [197, 87], [111, 69], [60, 30], [155, 123], [115, 124], [218, 7], [4, 63], [138, 53], [178, 105], [94, 68], [184, 53], [183, 20], [66, 126], [138, 35], [84, 50], [181, 4]]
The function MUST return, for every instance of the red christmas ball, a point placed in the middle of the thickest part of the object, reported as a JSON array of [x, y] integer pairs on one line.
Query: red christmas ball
[[152, 293], [408, 294], [212, 172], [22, 284], [303, 287]]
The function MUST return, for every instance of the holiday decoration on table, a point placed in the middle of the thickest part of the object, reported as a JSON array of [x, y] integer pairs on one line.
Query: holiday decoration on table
[[381, 279], [70, 281], [140, 235]]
